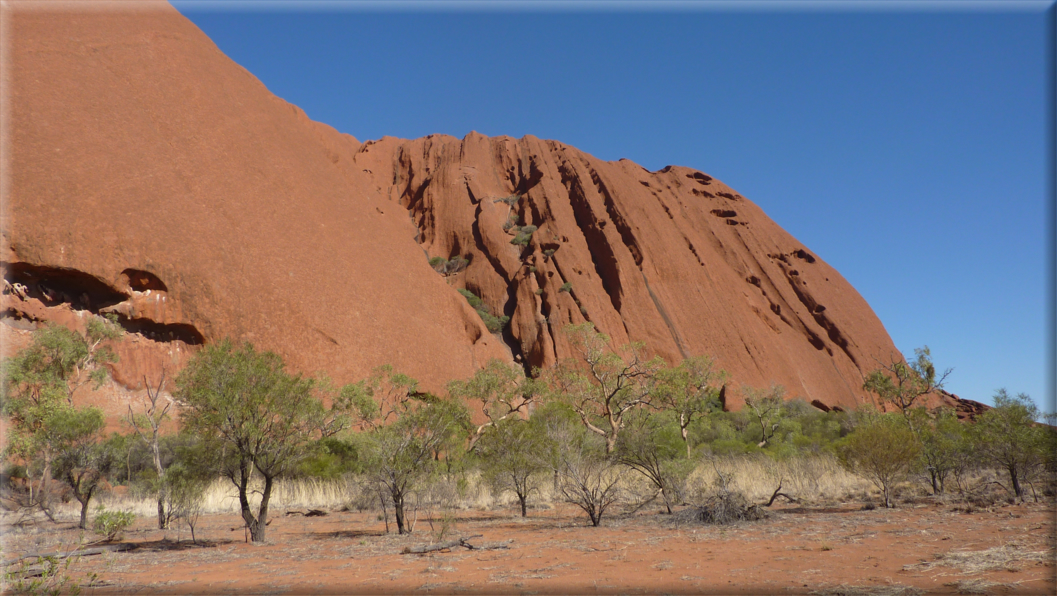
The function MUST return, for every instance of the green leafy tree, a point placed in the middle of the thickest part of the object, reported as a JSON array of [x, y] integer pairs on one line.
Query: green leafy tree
[[881, 449], [261, 417], [400, 455], [902, 384], [650, 446], [503, 392], [944, 444], [84, 460], [37, 389], [1008, 439], [691, 391], [607, 384], [511, 456]]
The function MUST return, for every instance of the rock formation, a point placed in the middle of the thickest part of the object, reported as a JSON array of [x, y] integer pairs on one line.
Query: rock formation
[[152, 177]]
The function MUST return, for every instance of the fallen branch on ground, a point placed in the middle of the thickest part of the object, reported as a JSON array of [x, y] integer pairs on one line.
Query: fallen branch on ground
[[779, 494], [76, 553], [463, 542]]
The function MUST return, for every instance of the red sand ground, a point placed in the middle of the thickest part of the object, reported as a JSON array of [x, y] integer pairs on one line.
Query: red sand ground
[[836, 550]]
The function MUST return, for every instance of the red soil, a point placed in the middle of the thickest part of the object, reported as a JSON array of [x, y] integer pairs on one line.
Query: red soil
[[798, 550]]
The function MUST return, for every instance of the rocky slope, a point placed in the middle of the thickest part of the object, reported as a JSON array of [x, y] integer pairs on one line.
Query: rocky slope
[[154, 178]]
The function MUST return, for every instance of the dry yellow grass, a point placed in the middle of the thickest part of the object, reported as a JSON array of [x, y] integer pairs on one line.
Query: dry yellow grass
[[811, 479]]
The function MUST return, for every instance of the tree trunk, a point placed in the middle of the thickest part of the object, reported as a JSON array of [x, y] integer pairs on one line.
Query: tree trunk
[[84, 513], [524, 509], [686, 440], [398, 506], [611, 443], [260, 526], [1015, 481], [162, 522], [595, 518]]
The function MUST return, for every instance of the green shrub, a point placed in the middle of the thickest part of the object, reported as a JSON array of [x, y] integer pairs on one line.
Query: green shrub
[[492, 322], [566, 287], [112, 523], [510, 200], [539, 291], [472, 298], [447, 267], [882, 449], [524, 234]]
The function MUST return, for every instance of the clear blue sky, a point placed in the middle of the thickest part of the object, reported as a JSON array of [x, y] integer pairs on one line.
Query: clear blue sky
[[907, 147]]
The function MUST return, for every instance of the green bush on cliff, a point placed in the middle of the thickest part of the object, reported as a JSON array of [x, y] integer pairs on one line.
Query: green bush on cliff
[[492, 322]]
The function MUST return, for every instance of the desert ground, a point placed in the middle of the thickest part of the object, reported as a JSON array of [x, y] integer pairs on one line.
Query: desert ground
[[921, 546]]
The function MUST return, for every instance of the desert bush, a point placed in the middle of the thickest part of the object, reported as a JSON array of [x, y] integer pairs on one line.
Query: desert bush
[[721, 502], [511, 460], [112, 524], [651, 445], [882, 450], [566, 287], [1008, 439], [590, 480], [330, 458], [508, 200]]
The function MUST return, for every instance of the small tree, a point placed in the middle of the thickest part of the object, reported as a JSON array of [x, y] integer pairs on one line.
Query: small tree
[[400, 455], [766, 407], [944, 444], [607, 384], [37, 387], [881, 449], [185, 487], [902, 384], [511, 456], [1008, 438], [651, 448], [589, 479], [260, 416], [147, 426], [83, 459], [691, 391]]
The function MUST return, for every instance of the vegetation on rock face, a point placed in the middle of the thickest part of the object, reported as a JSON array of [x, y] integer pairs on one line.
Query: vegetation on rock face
[[523, 235], [493, 323], [449, 267]]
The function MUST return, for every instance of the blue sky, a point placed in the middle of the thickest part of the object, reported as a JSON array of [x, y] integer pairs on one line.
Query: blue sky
[[906, 146]]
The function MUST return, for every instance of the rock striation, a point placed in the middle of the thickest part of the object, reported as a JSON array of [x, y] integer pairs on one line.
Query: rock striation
[[153, 178]]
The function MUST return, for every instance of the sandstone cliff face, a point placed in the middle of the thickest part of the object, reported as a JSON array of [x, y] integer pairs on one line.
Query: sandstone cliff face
[[143, 159], [154, 178], [674, 259]]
